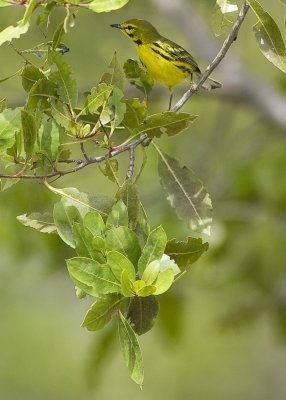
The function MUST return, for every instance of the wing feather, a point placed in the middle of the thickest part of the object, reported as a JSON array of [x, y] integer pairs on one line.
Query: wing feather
[[180, 54]]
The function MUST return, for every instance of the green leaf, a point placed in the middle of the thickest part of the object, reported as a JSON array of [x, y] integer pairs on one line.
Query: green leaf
[[41, 222], [123, 240], [84, 202], [156, 267], [10, 123], [129, 195], [29, 129], [142, 313], [138, 76], [98, 243], [30, 75], [110, 169], [168, 122], [131, 350], [16, 150], [118, 108], [97, 98], [39, 95], [6, 183], [186, 193], [151, 272], [87, 245], [58, 36], [65, 216], [94, 222], [153, 249], [224, 16], [106, 5], [119, 263], [11, 76], [61, 113], [118, 216], [29, 10], [101, 312], [141, 289], [66, 86], [50, 138], [227, 6], [143, 223], [116, 76], [186, 253], [135, 113], [14, 32], [92, 277], [126, 284], [164, 281], [268, 36]]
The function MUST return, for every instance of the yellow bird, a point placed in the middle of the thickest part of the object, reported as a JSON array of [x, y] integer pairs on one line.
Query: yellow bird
[[167, 62]]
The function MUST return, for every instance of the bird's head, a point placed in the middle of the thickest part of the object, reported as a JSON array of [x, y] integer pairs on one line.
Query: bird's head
[[138, 30]]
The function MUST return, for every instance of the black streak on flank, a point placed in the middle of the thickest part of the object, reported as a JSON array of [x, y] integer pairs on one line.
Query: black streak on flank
[[138, 42], [183, 68]]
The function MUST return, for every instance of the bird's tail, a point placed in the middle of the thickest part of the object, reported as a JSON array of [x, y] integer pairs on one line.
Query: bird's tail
[[213, 84], [210, 83]]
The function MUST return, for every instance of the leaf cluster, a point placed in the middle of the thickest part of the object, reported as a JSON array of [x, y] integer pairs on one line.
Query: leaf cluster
[[119, 261]]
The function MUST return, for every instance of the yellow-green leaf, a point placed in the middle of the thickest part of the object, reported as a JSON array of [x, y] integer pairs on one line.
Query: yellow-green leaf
[[268, 36], [106, 5], [101, 312], [142, 313], [131, 350], [186, 193]]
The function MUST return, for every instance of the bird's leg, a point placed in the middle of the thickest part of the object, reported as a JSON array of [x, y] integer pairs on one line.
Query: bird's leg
[[171, 98]]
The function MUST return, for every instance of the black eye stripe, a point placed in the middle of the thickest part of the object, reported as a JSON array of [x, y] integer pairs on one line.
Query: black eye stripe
[[129, 28]]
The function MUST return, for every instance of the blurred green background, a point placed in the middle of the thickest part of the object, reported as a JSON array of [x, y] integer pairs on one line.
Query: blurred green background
[[221, 333]]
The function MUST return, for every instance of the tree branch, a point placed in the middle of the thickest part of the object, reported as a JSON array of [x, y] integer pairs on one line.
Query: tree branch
[[239, 82], [80, 164], [130, 170], [219, 57]]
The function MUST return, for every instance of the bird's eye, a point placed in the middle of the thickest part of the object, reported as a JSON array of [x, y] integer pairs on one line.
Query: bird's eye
[[129, 28]]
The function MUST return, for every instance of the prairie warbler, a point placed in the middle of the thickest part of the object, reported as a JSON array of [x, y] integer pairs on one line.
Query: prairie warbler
[[167, 62]]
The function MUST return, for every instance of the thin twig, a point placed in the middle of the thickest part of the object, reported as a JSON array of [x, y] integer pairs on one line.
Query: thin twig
[[131, 164], [83, 151], [80, 164], [219, 57]]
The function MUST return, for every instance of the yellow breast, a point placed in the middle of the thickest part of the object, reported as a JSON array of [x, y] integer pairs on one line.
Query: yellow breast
[[159, 68]]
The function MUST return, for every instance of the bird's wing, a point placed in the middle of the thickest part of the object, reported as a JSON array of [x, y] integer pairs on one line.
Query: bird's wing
[[181, 54]]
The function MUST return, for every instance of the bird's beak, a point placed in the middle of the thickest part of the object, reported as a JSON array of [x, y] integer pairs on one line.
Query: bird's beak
[[116, 26]]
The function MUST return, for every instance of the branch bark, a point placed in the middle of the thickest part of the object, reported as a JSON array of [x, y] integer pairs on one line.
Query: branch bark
[[219, 57], [239, 83], [80, 164]]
